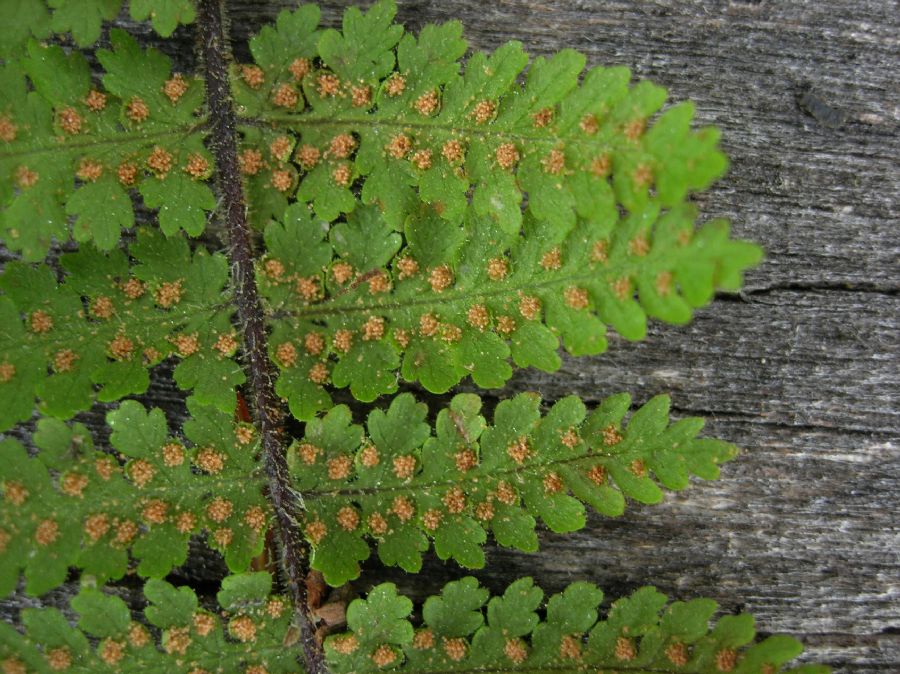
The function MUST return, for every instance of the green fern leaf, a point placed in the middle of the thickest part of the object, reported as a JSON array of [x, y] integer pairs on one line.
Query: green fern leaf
[[606, 237], [82, 18], [422, 220], [410, 120], [191, 638], [444, 301], [166, 15], [282, 53], [399, 485], [464, 632], [21, 20], [168, 302], [73, 506], [104, 210], [364, 50], [71, 149], [101, 615]]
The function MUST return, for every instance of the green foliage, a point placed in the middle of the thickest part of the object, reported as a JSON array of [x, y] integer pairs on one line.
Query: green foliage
[[575, 141], [463, 631], [165, 15], [400, 484], [445, 275], [167, 300], [250, 632], [420, 221], [72, 148], [441, 302], [21, 19], [73, 505]]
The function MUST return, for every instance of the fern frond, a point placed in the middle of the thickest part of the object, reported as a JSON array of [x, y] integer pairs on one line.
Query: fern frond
[[421, 220], [72, 149], [396, 113], [71, 505], [464, 632], [107, 323], [252, 633], [398, 484], [448, 272], [442, 301], [24, 19]]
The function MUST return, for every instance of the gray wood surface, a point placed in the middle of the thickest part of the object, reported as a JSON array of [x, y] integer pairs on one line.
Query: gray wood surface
[[800, 370]]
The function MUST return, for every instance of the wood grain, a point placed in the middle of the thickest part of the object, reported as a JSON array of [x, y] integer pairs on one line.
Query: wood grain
[[800, 370]]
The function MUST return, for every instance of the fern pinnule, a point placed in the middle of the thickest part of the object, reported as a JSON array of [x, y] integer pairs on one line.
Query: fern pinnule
[[400, 483], [109, 322], [72, 505], [421, 129], [439, 302], [466, 630], [75, 148], [37, 19], [251, 632]]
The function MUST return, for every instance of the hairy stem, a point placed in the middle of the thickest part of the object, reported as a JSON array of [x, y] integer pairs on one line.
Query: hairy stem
[[264, 404]]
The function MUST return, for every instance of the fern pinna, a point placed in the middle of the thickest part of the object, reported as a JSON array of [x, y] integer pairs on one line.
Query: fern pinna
[[386, 217]]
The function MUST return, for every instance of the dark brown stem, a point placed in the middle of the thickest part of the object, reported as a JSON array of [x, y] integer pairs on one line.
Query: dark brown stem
[[264, 404]]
